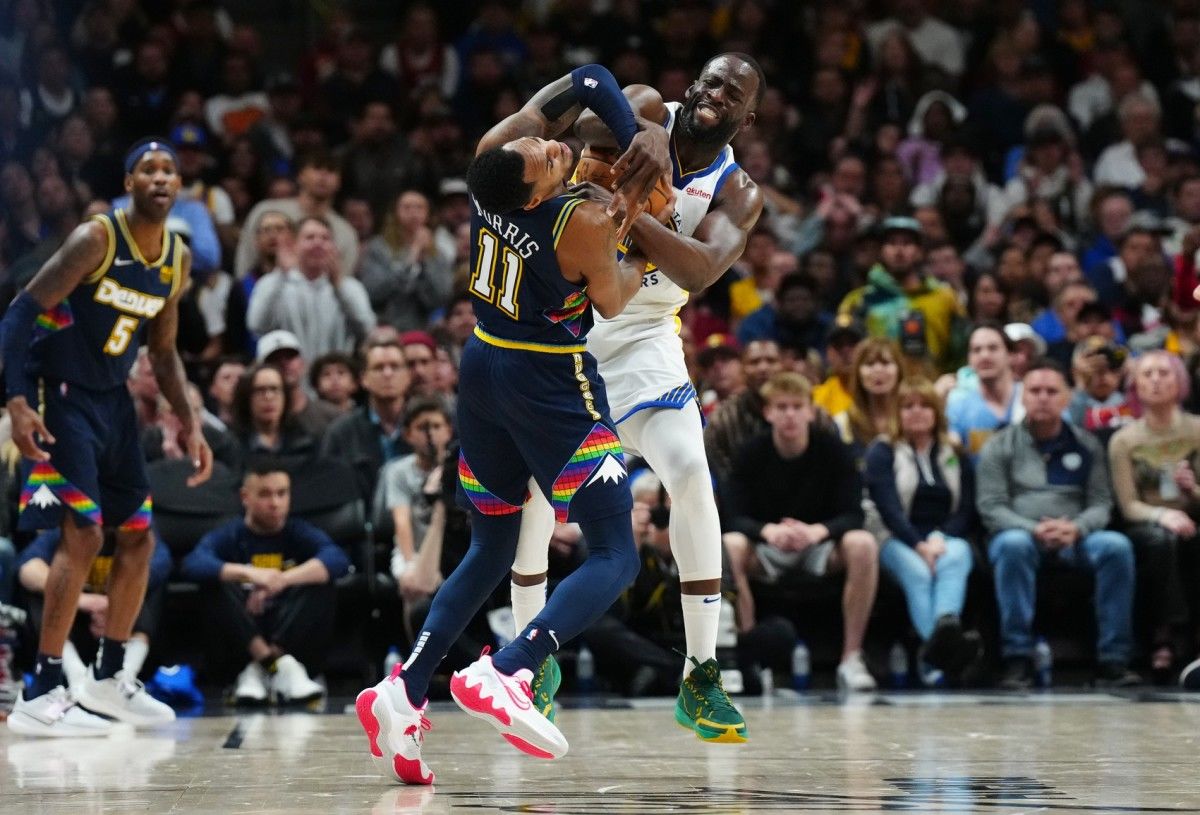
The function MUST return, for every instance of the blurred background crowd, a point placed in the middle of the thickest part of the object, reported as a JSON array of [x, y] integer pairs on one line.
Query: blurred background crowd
[[954, 193]]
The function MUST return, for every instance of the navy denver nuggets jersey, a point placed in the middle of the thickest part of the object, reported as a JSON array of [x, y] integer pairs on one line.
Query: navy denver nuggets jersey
[[521, 298], [91, 338]]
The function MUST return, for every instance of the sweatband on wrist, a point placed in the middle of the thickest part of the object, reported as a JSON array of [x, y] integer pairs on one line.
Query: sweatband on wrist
[[596, 88], [15, 331]]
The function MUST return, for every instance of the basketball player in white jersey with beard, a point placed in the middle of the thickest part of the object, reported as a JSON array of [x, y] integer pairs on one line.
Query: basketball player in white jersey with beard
[[641, 360]]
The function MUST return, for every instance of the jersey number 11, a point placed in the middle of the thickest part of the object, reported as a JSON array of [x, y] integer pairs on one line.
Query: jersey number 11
[[482, 281]]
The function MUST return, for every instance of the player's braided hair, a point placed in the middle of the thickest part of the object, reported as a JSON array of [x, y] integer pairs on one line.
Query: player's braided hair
[[496, 180]]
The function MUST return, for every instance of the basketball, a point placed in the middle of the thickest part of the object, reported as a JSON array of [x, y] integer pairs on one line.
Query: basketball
[[596, 167]]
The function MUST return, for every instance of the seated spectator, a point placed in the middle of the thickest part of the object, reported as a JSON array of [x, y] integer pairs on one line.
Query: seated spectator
[[634, 641], [318, 179], [222, 386], [312, 295], [282, 349], [1043, 494], [1098, 403], [1140, 116], [833, 395], [987, 300], [162, 439], [1111, 211], [924, 492], [405, 277], [284, 620], [740, 418], [373, 433], [721, 374], [1027, 347], [428, 429], [334, 378], [1093, 320], [1056, 322], [274, 231], [761, 266], [1154, 464], [974, 411], [877, 370], [262, 417], [1139, 243], [33, 570], [793, 507], [420, 355], [792, 318]]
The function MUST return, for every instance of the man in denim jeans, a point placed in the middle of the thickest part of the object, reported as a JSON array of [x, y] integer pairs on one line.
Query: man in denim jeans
[[1044, 493]]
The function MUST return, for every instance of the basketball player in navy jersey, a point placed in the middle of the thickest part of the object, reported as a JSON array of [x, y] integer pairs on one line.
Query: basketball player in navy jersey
[[68, 342], [531, 404]]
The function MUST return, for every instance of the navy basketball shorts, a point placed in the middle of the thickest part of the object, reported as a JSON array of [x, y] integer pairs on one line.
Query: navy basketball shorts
[[96, 469], [523, 413]]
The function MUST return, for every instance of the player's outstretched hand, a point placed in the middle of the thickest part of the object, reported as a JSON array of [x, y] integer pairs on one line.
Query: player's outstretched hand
[[200, 454], [27, 426], [639, 169]]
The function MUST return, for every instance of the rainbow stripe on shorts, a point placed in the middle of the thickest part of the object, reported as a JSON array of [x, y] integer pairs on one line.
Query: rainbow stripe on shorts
[[47, 487], [599, 443], [481, 499]]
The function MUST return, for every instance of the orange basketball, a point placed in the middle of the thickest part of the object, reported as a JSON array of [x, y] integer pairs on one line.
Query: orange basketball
[[596, 167]]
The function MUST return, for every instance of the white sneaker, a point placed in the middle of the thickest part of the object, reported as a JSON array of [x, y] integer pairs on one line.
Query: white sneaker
[[124, 698], [506, 702], [251, 687], [853, 676], [55, 714], [292, 684], [395, 729]]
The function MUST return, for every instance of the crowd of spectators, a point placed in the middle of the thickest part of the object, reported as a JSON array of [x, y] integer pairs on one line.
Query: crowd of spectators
[[970, 290]]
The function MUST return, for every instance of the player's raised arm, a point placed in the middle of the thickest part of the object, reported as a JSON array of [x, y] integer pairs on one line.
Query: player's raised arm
[[587, 251], [647, 104], [81, 254], [693, 263], [172, 381], [556, 107]]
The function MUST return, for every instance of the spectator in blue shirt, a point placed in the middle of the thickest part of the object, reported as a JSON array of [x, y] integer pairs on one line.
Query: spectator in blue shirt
[[793, 320], [270, 580], [975, 413]]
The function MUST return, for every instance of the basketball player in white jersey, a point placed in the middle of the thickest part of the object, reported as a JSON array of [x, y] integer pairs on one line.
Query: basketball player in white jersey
[[641, 360]]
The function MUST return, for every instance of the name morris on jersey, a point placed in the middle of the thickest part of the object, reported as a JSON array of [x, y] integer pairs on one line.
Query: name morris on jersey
[[513, 235], [130, 301]]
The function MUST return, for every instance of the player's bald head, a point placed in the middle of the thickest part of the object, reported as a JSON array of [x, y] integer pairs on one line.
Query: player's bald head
[[745, 68]]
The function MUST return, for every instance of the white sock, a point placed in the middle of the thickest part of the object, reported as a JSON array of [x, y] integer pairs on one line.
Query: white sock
[[73, 668], [136, 651], [527, 603], [701, 618]]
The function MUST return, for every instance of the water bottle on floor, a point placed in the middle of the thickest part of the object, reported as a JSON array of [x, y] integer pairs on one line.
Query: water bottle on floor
[[585, 670], [1043, 663], [801, 666], [898, 666]]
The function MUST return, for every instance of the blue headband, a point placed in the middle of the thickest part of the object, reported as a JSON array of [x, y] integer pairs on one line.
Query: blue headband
[[145, 146]]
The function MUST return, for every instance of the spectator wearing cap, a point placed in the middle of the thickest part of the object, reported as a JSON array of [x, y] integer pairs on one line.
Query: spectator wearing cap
[[404, 275], [721, 373], [319, 181], [1027, 347], [311, 295], [283, 350], [373, 434], [195, 163], [424, 368], [1099, 403], [1043, 493], [1140, 117], [740, 418], [902, 303], [1140, 243], [990, 397], [833, 395], [793, 317], [453, 212]]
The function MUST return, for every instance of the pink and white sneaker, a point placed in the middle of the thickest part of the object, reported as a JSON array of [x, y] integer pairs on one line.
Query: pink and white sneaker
[[395, 729], [507, 704]]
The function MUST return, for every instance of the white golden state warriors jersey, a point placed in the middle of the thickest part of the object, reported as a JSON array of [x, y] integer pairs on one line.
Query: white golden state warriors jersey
[[639, 351]]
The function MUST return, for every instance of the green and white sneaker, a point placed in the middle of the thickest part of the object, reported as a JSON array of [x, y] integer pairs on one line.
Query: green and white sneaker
[[705, 708], [545, 685]]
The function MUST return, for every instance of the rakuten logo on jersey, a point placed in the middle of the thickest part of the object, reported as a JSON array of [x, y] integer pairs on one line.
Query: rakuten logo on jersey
[[699, 193]]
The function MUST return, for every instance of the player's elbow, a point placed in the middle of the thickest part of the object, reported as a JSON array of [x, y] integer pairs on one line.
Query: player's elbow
[[607, 308]]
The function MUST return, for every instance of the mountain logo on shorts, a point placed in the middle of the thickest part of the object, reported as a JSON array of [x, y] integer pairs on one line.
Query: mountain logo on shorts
[[611, 469], [44, 497]]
